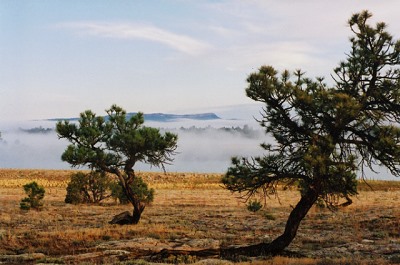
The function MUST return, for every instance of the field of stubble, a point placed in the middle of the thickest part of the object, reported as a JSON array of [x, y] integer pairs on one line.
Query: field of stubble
[[191, 213]]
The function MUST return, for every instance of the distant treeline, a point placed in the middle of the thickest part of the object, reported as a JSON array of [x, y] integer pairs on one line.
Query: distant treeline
[[36, 130], [245, 131]]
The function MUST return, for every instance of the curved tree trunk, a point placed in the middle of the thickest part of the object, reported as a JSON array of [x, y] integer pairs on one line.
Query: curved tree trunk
[[138, 208], [281, 242]]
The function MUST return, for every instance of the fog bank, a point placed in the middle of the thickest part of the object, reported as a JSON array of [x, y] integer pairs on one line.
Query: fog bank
[[203, 146]]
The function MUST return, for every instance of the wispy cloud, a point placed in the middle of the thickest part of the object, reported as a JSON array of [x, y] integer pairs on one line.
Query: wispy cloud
[[175, 41]]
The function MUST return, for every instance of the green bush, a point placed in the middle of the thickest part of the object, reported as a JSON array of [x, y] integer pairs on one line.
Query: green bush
[[254, 206], [88, 188], [35, 196], [142, 191], [139, 188], [117, 192]]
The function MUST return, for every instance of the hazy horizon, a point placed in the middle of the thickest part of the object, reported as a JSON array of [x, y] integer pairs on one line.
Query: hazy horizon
[[206, 150]]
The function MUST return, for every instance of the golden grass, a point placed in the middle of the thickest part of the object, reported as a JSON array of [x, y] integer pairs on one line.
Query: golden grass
[[14, 178], [190, 206]]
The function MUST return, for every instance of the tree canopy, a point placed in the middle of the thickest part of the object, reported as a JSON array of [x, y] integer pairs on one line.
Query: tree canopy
[[114, 144], [325, 136]]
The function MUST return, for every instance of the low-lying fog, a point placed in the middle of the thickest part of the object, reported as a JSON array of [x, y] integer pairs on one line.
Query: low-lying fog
[[203, 146]]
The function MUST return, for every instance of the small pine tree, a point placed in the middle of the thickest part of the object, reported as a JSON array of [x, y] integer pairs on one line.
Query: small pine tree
[[115, 144], [35, 196]]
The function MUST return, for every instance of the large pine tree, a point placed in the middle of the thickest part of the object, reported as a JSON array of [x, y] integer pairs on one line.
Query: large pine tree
[[325, 136]]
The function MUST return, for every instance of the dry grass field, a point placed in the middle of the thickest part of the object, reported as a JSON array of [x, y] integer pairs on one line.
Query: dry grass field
[[191, 212]]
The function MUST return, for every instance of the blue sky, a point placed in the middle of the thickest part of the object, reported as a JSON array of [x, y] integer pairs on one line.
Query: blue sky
[[58, 58]]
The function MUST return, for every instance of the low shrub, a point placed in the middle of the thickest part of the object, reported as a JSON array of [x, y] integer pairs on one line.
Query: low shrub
[[139, 188], [88, 188], [254, 206], [35, 196]]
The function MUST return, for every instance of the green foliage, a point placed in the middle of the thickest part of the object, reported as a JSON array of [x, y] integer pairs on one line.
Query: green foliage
[[35, 196], [139, 188], [25, 204], [115, 142], [142, 191], [117, 192], [325, 135], [88, 188], [254, 206], [114, 145]]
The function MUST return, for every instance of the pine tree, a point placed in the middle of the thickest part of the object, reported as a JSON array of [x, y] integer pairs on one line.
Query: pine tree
[[325, 136], [114, 145], [35, 197]]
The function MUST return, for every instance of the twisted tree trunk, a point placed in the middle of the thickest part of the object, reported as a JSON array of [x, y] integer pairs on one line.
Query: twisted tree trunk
[[138, 208], [280, 243]]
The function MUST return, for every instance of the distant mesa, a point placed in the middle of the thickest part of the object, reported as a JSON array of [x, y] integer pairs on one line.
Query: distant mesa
[[173, 117], [162, 117]]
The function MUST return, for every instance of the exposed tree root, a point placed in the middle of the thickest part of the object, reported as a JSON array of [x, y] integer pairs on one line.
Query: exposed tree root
[[229, 253]]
